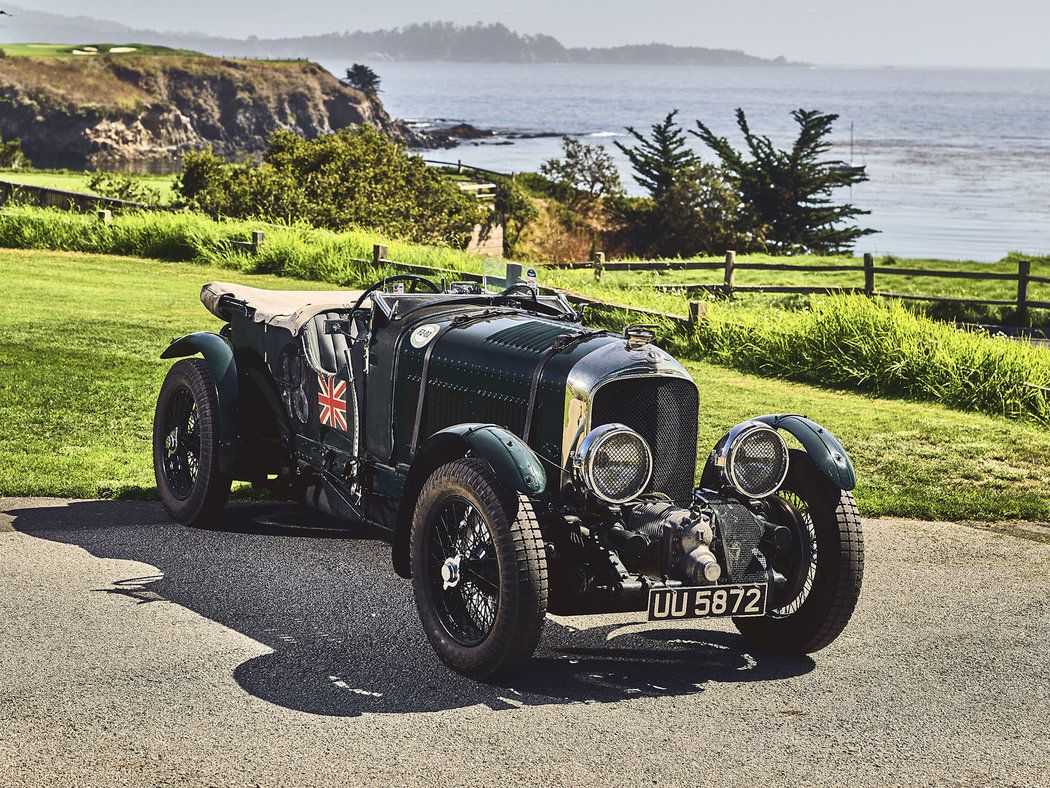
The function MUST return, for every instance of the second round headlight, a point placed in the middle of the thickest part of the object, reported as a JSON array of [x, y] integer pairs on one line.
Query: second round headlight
[[615, 463], [757, 462]]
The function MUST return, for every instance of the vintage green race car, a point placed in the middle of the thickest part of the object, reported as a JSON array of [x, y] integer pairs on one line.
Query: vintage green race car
[[520, 462]]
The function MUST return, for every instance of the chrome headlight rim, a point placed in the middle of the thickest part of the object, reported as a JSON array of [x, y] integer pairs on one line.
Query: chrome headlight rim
[[583, 462], [733, 445]]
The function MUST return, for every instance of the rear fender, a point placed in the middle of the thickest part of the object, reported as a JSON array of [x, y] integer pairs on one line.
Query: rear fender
[[218, 356], [513, 462]]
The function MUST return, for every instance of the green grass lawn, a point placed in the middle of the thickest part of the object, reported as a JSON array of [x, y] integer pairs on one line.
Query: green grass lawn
[[80, 337], [76, 181], [92, 50]]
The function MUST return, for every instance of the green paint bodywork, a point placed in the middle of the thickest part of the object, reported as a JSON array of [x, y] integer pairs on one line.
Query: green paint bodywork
[[825, 449], [516, 465]]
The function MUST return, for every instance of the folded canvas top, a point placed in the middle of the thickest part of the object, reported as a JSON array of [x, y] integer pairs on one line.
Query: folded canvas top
[[289, 309]]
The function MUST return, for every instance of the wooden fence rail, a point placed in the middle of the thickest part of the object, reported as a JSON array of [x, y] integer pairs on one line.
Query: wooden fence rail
[[46, 197], [696, 309], [730, 266]]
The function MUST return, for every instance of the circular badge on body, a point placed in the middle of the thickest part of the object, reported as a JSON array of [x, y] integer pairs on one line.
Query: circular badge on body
[[424, 334]]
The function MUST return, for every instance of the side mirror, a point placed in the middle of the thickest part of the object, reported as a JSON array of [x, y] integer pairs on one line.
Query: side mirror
[[337, 326]]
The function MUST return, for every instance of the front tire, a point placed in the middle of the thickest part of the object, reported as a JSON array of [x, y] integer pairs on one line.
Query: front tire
[[186, 446], [479, 570], [824, 580]]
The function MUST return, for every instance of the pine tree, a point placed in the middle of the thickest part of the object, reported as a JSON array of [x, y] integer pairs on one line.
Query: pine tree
[[658, 160], [362, 78], [790, 191]]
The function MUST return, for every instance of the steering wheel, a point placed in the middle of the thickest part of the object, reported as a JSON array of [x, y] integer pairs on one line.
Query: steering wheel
[[519, 286], [415, 280], [510, 294]]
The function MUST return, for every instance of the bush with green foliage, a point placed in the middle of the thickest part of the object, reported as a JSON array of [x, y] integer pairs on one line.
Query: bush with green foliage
[[12, 156], [866, 344], [789, 192], [352, 178], [123, 187], [583, 175]]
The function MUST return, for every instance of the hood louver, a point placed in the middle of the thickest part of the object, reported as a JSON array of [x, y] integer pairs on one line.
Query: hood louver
[[533, 336]]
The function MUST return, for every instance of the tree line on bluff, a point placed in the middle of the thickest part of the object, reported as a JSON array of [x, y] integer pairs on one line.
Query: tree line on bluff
[[763, 198]]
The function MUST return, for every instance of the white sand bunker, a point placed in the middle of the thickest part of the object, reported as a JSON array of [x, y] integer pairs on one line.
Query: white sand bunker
[[85, 52], [122, 50]]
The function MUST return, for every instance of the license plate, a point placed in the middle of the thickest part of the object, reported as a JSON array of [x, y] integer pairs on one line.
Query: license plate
[[747, 599]]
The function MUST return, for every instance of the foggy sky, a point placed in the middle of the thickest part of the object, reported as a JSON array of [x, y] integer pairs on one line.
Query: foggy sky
[[1005, 33]]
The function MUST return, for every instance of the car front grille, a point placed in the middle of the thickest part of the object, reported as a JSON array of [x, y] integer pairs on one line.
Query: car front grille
[[664, 411]]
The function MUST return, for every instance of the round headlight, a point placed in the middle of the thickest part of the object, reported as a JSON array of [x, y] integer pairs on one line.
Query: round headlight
[[757, 462], [615, 463]]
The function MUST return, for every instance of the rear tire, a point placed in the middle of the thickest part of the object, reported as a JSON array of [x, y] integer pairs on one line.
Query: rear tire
[[479, 570], [186, 446], [819, 603]]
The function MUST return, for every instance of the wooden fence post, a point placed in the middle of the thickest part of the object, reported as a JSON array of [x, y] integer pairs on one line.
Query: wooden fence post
[[258, 238], [105, 216], [598, 259], [1024, 270], [697, 310], [727, 287], [869, 274], [379, 252]]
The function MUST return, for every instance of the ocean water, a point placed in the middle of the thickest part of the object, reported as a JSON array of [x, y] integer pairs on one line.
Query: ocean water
[[958, 160]]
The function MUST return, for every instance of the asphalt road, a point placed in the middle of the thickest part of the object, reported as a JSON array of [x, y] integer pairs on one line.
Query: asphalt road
[[281, 651]]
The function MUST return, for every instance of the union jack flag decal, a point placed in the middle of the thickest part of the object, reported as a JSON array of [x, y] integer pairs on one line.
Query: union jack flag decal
[[331, 396]]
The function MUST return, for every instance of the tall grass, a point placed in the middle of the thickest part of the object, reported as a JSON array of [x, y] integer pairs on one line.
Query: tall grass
[[847, 342], [290, 250], [882, 347]]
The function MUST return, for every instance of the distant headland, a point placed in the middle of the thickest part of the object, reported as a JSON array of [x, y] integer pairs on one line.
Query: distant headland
[[429, 41]]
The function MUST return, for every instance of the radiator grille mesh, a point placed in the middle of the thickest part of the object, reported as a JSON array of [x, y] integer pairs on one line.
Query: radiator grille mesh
[[664, 411]]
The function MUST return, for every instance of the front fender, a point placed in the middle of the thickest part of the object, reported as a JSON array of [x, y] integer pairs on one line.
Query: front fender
[[515, 464], [824, 448], [218, 356]]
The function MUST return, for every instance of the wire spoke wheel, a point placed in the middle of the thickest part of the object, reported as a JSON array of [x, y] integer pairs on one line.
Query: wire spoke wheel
[[823, 564], [804, 570], [186, 445], [462, 570], [181, 443], [479, 569]]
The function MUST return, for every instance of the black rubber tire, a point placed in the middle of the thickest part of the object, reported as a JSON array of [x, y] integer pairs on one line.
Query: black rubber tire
[[839, 571], [202, 507], [522, 571]]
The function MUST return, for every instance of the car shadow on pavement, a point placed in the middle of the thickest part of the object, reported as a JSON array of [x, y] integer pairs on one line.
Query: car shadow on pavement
[[343, 628]]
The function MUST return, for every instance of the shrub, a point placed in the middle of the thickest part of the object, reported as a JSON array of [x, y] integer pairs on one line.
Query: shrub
[[515, 209], [11, 155], [583, 175], [123, 187], [355, 178]]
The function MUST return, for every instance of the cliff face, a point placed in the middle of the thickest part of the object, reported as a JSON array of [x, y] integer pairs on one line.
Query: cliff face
[[146, 111]]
